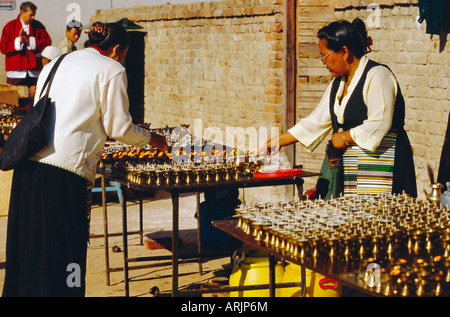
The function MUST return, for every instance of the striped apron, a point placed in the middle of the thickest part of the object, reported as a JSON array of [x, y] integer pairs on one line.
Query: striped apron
[[370, 173]]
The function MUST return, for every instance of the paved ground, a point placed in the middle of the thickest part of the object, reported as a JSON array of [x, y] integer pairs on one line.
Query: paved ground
[[157, 226]]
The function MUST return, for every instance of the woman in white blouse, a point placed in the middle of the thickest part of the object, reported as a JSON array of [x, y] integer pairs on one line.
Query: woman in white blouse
[[48, 226], [370, 111]]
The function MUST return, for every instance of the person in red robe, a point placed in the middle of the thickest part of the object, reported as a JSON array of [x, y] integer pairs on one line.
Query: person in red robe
[[22, 39]]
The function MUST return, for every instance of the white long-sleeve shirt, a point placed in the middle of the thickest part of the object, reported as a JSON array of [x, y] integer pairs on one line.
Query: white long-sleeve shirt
[[379, 93], [90, 99]]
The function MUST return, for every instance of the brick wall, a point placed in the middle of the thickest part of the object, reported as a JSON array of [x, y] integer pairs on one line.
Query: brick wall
[[313, 77], [222, 62]]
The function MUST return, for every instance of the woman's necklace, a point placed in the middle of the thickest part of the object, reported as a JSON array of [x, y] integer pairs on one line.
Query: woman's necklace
[[344, 92], [348, 82]]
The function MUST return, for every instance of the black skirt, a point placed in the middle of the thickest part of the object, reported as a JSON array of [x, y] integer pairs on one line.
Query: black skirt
[[47, 234]]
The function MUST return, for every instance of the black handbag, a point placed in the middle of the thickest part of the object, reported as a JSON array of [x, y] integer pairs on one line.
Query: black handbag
[[30, 135], [331, 182]]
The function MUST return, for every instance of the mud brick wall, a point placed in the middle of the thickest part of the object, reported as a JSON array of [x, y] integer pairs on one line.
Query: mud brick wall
[[220, 62], [313, 77]]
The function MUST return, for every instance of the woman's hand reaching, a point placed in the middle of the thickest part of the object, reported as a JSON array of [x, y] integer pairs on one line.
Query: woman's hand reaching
[[274, 145], [270, 148], [158, 141]]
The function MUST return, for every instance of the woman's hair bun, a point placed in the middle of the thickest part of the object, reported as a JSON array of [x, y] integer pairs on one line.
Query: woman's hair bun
[[97, 33], [359, 25], [107, 35], [343, 33], [360, 28]]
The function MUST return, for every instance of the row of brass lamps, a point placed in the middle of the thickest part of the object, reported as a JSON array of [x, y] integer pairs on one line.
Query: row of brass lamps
[[351, 230]]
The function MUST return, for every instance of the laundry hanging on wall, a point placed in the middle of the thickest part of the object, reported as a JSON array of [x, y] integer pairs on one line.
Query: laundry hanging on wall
[[437, 15]]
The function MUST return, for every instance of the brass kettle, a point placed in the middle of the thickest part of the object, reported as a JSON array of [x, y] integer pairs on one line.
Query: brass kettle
[[435, 195]]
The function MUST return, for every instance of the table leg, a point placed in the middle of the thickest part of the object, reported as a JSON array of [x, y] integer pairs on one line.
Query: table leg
[[272, 263], [141, 219], [300, 188], [199, 237], [125, 240], [175, 236], [303, 281], [105, 229]]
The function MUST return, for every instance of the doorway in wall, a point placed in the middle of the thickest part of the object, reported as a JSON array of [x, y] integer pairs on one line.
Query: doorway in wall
[[134, 65]]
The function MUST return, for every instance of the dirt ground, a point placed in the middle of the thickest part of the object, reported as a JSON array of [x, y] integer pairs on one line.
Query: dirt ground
[[157, 224]]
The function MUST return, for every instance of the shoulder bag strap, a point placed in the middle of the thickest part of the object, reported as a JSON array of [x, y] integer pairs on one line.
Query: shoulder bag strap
[[51, 75]]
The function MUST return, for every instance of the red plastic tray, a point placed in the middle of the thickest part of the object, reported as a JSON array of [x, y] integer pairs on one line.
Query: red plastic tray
[[278, 173]]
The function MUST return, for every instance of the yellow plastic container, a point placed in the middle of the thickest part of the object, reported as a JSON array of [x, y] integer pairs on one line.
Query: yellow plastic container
[[317, 285], [254, 270]]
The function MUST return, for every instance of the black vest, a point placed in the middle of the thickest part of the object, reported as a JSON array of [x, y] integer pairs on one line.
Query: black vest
[[354, 115], [356, 110]]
